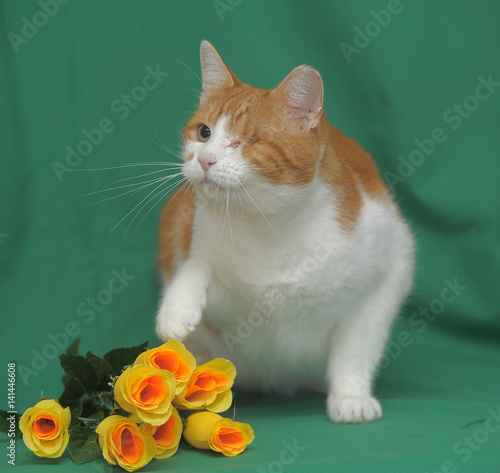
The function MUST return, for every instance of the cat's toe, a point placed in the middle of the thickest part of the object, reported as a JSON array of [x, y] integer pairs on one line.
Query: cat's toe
[[353, 410], [169, 330], [180, 313]]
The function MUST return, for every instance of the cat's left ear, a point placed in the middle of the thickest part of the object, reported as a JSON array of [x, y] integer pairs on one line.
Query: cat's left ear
[[215, 74], [302, 91]]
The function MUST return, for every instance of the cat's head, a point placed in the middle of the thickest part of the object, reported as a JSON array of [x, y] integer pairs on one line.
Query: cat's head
[[248, 144]]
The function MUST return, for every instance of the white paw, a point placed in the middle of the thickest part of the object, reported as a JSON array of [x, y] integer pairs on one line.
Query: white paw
[[353, 410], [180, 313]]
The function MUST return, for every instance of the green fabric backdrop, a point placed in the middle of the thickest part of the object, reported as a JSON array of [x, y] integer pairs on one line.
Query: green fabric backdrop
[[416, 82]]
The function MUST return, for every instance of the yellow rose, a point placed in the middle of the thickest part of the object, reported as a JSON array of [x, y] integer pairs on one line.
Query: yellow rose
[[209, 387], [171, 356], [167, 436], [147, 392], [45, 428], [123, 442], [207, 430]]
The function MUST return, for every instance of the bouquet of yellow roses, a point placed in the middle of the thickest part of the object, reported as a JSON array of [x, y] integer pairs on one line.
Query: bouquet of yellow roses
[[126, 407]]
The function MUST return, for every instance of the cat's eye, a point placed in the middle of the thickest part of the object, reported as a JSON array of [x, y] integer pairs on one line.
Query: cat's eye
[[203, 133]]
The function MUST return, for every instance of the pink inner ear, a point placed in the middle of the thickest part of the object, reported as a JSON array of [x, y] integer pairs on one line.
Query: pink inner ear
[[303, 90], [214, 72]]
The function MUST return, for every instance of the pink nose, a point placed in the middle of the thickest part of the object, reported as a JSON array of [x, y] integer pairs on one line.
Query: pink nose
[[206, 160]]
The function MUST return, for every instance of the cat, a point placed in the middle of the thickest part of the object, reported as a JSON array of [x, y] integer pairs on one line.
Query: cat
[[285, 253]]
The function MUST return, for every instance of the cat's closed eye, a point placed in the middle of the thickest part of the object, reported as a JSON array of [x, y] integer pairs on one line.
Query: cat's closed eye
[[252, 138]]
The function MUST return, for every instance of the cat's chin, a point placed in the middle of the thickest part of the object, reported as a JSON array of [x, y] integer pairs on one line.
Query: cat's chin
[[209, 188]]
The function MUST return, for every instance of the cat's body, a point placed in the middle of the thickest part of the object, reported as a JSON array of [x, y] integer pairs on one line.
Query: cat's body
[[289, 244]]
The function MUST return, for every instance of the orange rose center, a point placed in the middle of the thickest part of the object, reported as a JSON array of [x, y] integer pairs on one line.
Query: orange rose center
[[130, 446], [167, 361], [205, 383], [44, 427], [150, 391], [170, 361], [164, 435], [231, 439]]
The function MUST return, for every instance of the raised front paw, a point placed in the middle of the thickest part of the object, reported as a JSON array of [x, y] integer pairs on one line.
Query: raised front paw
[[179, 314], [353, 410]]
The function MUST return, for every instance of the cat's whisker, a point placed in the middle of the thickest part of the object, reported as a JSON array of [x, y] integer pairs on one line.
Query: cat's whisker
[[165, 148], [240, 185], [263, 216], [229, 222], [186, 182], [136, 184], [161, 183], [107, 189], [134, 191], [155, 192], [185, 65], [184, 195], [162, 194], [216, 201], [270, 194], [121, 166], [142, 175], [223, 210]]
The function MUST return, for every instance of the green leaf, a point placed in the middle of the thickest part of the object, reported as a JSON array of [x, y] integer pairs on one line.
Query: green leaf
[[74, 347], [76, 410], [80, 370], [99, 415], [121, 357], [73, 391], [102, 368], [83, 446], [5, 423]]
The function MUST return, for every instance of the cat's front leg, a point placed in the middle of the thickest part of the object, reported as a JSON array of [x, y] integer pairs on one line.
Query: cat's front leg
[[183, 300]]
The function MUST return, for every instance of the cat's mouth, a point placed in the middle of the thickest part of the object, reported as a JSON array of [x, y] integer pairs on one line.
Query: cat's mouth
[[214, 182]]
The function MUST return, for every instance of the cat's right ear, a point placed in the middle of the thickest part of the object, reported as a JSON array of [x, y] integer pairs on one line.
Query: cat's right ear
[[215, 74]]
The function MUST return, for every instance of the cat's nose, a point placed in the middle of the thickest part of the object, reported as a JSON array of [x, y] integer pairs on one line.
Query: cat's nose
[[206, 160]]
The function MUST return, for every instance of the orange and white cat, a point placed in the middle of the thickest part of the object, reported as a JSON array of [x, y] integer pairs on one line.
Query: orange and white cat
[[286, 254]]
